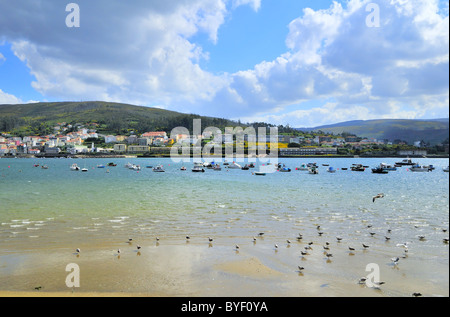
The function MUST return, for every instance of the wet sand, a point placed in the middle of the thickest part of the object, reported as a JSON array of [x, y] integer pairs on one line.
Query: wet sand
[[198, 269]]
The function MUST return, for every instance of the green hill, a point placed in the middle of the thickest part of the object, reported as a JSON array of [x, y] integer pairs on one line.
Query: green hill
[[111, 117], [432, 131]]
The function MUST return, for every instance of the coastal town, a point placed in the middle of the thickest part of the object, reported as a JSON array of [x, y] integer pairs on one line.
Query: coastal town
[[85, 140]]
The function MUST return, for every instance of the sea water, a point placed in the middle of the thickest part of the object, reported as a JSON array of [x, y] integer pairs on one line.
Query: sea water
[[45, 210]]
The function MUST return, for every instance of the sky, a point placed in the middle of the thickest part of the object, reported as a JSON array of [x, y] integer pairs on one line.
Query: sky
[[302, 63]]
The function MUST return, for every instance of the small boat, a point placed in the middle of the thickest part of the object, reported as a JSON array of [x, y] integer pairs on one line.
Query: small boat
[[217, 167], [234, 166], [44, 167], [325, 164], [75, 167], [101, 166], [387, 167], [379, 170], [406, 161], [445, 169], [149, 166], [183, 168], [36, 165], [251, 165], [344, 168], [357, 168], [302, 167], [418, 168], [284, 169], [331, 170], [158, 169], [259, 174], [84, 169], [313, 170], [198, 167], [112, 164], [226, 163]]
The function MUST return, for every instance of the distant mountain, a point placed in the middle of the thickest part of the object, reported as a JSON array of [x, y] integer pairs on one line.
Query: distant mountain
[[433, 131], [112, 117]]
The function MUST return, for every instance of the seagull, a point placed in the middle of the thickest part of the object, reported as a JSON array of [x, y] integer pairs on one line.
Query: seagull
[[310, 243], [339, 239], [387, 238], [416, 294], [276, 246], [237, 247], [308, 247], [403, 245], [395, 260], [362, 280], [78, 250], [351, 249], [118, 251], [389, 231], [157, 239], [365, 246], [300, 268], [130, 239], [304, 253], [188, 237], [320, 233], [445, 240], [377, 196], [372, 233], [261, 234], [210, 239], [326, 247], [254, 239], [421, 238], [329, 255], [288, 241], [138, 247]]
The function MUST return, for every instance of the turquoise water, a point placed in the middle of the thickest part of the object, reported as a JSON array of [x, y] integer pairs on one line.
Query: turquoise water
[[45, 209]]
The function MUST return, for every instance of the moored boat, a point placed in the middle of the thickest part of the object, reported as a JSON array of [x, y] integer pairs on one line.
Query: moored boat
[[331, 170], [406, 162], [158, 169], [235, 166], [357, 168], [418, 168], [313, 170], [75, 167], [445, 169], [387, 167], [379, 170], [302, 167]]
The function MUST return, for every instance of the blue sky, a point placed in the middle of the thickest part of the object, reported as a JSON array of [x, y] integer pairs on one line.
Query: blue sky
[[298, 62]]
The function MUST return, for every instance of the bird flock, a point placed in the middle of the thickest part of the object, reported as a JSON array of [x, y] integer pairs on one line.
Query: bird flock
[[326, 247]]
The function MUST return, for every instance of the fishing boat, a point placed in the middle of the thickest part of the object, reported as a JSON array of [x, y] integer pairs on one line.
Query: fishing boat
[[235, 166], [418, 168], [357, 168], [245, 167], [302, 167], [406, 162], [158, 169], [379, 170], [387, 167], [198, 168], [75, 167]]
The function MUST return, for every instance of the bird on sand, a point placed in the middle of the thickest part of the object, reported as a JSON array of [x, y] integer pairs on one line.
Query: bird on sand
[[210, 239], [351, 249], [395, 260], [138, 247], [377, 196], [365, 246], [417, 294], [300, 268], [362, 280], [78, 250]]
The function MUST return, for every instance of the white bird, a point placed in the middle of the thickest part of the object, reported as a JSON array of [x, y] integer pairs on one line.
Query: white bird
[[118, 251], [210, 239], [377, 196], [395, 260], [138, 247], [362, 280], [237, 247], [78, 250], [403, 245]]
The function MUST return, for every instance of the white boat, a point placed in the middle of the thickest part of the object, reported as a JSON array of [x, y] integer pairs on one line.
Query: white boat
[[235, 166], [217, 167], [418, 168], [406, 161], [198, 167], [313, 170], [387, 167], [158, 169], [75, 167], [302, 167], [445, 169], [84, 169]]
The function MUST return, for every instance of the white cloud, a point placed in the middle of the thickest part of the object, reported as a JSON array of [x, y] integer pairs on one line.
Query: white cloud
[[146, 54], [6, 98]]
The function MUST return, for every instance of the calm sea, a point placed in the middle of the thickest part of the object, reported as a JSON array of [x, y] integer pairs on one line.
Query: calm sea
[[56, 208]]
